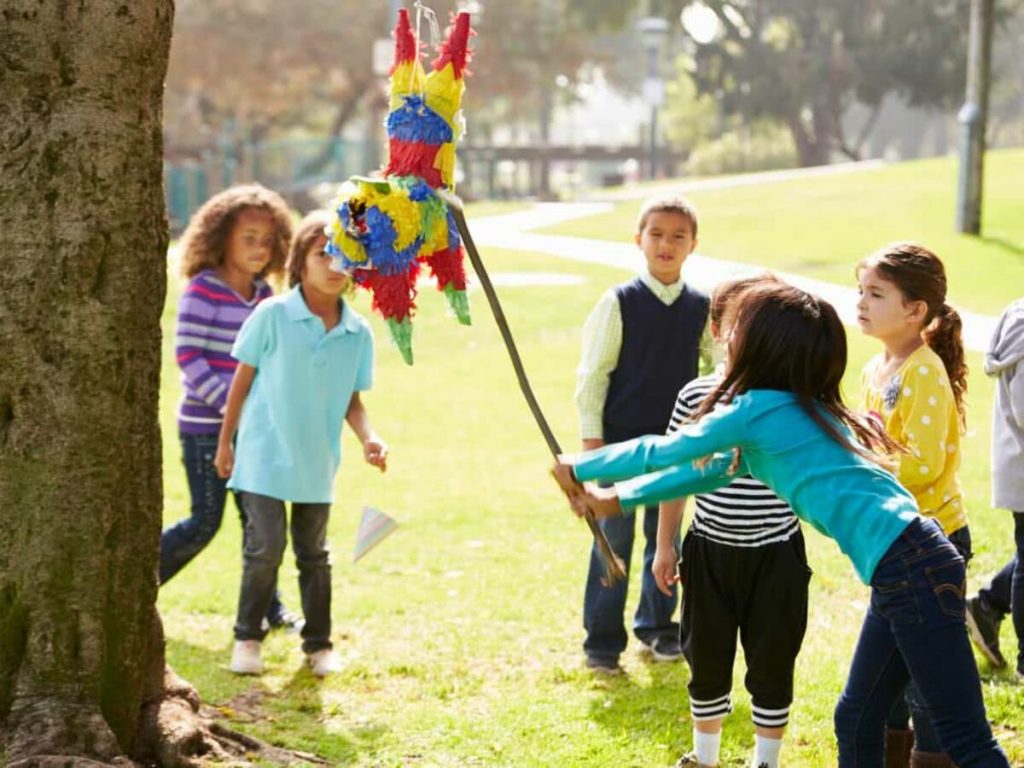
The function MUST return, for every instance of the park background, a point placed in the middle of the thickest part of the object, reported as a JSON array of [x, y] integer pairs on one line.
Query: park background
[[808, 134], [461, 632]]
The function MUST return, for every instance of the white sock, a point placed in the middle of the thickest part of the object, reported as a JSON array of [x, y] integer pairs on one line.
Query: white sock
[[766, 752], [706, 745]]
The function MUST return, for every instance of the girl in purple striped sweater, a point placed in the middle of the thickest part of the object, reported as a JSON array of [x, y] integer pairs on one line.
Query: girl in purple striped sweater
[[232, 244]]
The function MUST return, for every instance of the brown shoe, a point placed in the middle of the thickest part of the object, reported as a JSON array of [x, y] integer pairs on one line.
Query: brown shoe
[[689, 760], [930, 760], [898, 744]]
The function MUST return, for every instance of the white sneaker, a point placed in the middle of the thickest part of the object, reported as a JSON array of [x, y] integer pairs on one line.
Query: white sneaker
[[245, 658], [324, 662]]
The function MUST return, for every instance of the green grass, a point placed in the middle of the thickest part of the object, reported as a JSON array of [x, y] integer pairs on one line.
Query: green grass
[[821, 227], [461, 631]]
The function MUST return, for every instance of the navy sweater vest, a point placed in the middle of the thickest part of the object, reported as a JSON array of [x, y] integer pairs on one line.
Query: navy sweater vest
[[660, 353]]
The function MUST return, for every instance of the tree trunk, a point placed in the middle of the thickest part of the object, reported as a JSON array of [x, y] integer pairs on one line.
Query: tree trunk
[[83, 241]]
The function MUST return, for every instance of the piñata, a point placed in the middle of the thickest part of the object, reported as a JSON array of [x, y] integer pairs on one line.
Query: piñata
[[385, 228]]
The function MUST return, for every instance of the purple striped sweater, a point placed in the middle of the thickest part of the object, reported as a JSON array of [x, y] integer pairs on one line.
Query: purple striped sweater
[[209, 315]]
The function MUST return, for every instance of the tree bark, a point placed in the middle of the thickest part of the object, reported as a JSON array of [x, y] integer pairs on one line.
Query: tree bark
[[83, 241]]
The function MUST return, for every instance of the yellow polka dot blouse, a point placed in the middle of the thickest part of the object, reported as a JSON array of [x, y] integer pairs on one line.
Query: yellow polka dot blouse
[[917, 406]]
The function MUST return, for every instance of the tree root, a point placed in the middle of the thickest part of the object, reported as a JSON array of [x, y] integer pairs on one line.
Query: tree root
[[181, 734], [174, 732]]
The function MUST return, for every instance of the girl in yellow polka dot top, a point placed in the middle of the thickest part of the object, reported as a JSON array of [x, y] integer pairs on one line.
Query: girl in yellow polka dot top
[[916, 387]]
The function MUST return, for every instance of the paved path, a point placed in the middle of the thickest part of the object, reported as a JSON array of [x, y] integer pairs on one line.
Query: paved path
[[515, 231]]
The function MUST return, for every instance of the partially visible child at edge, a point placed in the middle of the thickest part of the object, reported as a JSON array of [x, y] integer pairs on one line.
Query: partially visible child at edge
[[916, 389], [1005, 593], [238, 238], [303, 359], [743, 569], [644, 340], [778, 414]]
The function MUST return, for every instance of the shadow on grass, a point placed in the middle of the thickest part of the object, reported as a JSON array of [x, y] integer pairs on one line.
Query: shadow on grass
[[659, 714], [295, 717], [1010, 247]]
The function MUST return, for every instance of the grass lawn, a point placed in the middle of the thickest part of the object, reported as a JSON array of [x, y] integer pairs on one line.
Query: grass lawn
[[820, 227], [461, 632]]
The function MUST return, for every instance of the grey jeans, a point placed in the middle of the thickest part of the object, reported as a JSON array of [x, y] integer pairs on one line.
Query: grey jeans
[[266, 538]]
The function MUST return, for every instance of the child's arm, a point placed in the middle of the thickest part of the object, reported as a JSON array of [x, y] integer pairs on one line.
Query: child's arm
[[670, 515], [224, 460], [375, 452], [193, 339], [720, 430], [925, 415], [602, 341]]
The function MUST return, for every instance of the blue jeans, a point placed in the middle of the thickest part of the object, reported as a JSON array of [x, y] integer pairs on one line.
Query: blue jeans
[[925, 738], [1005, 593], [603, 607], [187, 538], [915, 630], [265, 540]]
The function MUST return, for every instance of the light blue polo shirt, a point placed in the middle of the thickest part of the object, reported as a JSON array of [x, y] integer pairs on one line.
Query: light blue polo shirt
[[289, 437]]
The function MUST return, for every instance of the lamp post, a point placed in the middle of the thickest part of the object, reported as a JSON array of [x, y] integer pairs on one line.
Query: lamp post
[[972, 118], [652, 31]]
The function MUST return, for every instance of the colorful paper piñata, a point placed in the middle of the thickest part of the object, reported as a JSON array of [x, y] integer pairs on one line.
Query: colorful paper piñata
[[384, 228]]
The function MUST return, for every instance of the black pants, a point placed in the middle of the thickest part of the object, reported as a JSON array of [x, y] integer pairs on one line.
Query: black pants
[[758, 593]]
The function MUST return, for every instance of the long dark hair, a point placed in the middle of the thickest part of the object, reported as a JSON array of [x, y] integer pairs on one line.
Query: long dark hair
[[790, 340], [919, 275]]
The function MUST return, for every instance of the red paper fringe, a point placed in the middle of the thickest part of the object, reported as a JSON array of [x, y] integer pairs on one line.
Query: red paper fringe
[[393, 295], [414, 158], [456, 48], [405, 41], [447, 267]]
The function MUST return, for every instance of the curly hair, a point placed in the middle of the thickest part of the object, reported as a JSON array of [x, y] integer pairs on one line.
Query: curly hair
[[920, 276], [205, 242]]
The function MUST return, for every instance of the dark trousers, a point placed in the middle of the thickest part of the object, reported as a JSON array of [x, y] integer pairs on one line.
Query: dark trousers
[[912, 705], [758, 594], [604, 606], [265, 541], [1005, 593], [180, 543], [915, 630]]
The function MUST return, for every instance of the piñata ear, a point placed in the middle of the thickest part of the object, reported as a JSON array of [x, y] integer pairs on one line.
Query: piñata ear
[[407, 75], [444, 85]]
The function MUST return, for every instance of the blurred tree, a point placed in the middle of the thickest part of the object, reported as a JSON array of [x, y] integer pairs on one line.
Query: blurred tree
[[804, 62], [247, 69]]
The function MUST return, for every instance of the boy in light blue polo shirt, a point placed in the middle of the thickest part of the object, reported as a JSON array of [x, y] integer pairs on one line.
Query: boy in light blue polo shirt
[[304, 357]]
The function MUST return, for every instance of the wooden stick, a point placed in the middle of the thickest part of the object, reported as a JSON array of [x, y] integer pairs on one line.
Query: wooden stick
[[613, 566]]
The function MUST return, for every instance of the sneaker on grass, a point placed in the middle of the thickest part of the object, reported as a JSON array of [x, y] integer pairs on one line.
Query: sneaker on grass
[[603, 666], [324, 662], [983, 625], [662, 648], [245, 658]]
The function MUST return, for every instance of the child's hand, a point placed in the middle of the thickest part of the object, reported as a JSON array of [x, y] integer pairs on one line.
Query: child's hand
[[562, 472], [602, 502], [375, 452], [224, 460], [664, 569]]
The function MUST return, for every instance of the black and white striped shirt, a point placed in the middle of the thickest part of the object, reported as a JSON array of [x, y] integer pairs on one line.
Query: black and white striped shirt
[[745, 513]]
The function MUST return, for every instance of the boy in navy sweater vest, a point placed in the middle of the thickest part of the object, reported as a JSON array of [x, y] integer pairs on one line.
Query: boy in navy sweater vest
[[643, 341]]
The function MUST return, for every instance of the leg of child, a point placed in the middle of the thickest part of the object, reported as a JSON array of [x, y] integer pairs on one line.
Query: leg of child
[[772, 630], [312, 557], [1017, 589], [914, 628], [187, 538], [709, 631], [654, 623], [277, 614], [604, 606], [266, 535]]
